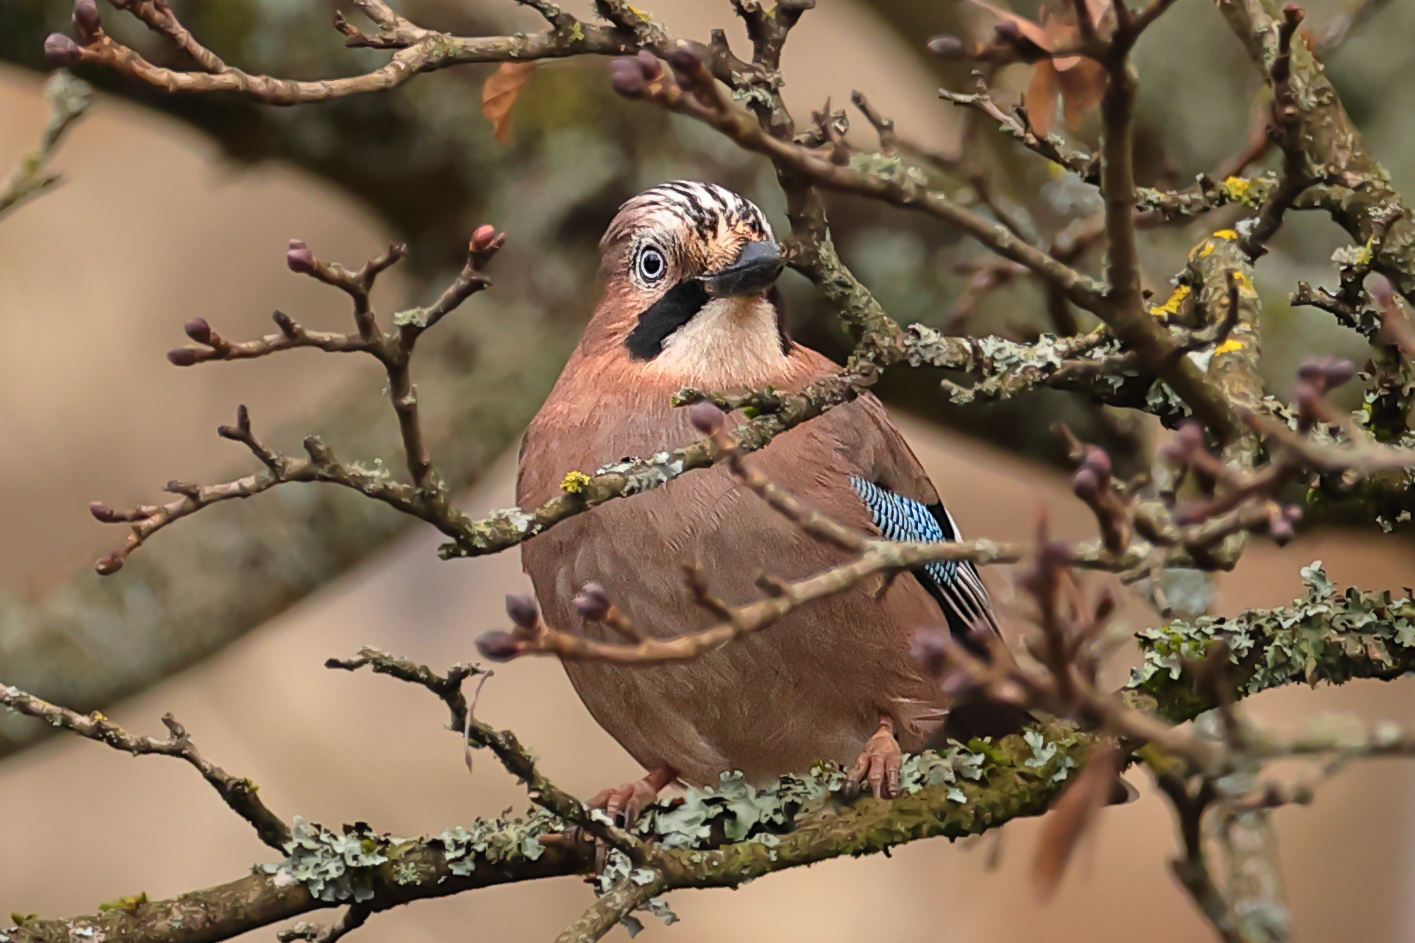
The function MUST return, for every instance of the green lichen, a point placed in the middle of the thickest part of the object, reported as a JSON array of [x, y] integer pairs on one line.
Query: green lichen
[[126, 904], [334, 866], [732, 828], [1325, 636], [1047, 758], [497, 841]]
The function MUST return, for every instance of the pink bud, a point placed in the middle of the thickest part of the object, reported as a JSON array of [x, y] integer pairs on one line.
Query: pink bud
[[626, 78], [649, 64], [706, 417], [198, 330], [1098, 461], [483, 238], [61, 51], [182, 356], [86, 21], [522, 610], [1086, 483], [299, 257], [110, 564], [685, 62], [592, 602], [102, 512], [498, 646]]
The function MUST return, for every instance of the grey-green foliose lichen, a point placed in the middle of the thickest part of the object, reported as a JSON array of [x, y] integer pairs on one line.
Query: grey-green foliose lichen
[[1326, 636], [342, 866]]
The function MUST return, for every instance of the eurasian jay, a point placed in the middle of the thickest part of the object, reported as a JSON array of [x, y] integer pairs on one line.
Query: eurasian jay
[[689, 272]]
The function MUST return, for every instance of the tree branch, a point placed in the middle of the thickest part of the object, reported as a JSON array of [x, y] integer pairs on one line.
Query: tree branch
[[68, 99], [239, 794]]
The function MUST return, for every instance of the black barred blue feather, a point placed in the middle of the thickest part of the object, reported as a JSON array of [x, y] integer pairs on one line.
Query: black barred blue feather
[[955, 584]]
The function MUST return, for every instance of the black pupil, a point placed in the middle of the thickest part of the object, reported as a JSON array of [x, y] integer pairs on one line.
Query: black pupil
[[651, 264]]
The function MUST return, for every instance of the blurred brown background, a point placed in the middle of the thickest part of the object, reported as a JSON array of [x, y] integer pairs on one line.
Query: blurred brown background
[[156, 224]]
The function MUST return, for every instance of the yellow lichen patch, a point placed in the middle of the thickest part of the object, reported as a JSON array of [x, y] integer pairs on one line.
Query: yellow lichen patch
[[1229, 346], [575, 482], [1236, 187], [1206, 250], [126, 904], [1244, 283], [1367, 253], [1228, 234], [1171, 307], [1239, 190]]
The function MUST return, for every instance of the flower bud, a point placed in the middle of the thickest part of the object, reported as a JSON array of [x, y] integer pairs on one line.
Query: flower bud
[[592, 602], [483, 237], [182, 356], [61, 51], [198, 330], [706, 417], [649, 64], [627, 79], [299, 257], [1086, 483], [498, 646], [103, 513], [685, 62], [1098, 461], [86, 22], [522, 610]]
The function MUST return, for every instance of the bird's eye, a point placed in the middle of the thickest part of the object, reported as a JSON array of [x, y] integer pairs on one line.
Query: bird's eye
[[651, 265]]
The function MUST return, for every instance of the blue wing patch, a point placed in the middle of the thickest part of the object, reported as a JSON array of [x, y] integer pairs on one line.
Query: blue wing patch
[[956, 585], [901, 518]]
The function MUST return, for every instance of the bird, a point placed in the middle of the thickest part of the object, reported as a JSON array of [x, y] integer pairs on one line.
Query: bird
[[690, 299]]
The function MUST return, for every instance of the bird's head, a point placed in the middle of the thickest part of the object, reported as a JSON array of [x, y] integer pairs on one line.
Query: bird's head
[[689, 287]]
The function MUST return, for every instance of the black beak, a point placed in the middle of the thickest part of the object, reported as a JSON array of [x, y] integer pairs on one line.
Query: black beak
[[756, 268]]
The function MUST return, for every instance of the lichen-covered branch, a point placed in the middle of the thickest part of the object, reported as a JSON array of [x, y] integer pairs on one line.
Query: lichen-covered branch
[[1361, 196], [1326, 636], [716, 837], [68, 99]]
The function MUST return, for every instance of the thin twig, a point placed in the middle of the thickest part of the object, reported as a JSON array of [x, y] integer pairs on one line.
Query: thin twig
[[239, 794]]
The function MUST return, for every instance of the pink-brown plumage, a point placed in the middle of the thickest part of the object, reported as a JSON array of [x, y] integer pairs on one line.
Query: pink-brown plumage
[[816, 684]]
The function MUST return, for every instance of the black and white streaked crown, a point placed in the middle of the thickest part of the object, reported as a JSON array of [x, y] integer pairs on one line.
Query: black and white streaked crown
[[709, 210]]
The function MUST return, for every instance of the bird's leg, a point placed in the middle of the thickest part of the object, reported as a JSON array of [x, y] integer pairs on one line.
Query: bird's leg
[[879, 763], [629, 799]]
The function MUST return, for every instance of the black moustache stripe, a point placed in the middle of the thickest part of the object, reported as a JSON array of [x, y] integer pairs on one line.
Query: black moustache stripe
[[668, 314]]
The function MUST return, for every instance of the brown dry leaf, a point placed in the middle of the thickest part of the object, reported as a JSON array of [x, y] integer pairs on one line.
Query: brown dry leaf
[[1082, 88], [1040, 97], [499, 94], [1071, 815]]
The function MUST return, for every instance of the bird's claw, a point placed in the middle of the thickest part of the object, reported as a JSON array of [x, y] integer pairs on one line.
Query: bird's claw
[[624, 803], [878, 764]]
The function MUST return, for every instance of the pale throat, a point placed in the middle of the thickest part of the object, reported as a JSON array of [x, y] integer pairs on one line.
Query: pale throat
[[730, 343]]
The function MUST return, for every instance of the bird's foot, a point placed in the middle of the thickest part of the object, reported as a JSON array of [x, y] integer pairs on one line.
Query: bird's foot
[[624, 803], [878, 764]]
